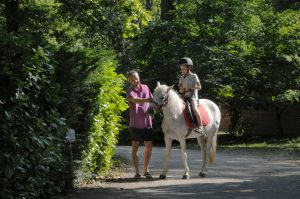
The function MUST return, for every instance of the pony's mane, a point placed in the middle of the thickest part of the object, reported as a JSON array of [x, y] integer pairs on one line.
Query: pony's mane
[[172, 90]]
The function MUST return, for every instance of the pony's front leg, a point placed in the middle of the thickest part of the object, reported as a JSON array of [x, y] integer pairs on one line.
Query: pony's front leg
[[184, 159], [168, 144]]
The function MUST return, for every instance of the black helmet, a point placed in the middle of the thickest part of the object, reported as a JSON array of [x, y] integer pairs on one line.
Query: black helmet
[[186, 60]]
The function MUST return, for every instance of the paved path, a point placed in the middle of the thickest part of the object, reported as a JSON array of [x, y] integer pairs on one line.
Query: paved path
[[245, 174]]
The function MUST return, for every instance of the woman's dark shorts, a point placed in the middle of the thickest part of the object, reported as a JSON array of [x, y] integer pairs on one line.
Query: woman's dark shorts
[[141, 134]]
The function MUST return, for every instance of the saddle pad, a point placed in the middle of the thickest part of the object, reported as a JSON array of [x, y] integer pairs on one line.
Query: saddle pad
[[203, 114]]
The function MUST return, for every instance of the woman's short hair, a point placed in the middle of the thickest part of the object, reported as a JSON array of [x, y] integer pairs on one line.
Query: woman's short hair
[[132, 72]]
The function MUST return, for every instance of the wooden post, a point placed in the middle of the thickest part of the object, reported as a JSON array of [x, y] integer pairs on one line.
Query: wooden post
[[69, 178]]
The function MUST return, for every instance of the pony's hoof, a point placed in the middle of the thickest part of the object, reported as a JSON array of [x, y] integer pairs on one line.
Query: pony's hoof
[[185, 177], [202, 175], [162, 177]]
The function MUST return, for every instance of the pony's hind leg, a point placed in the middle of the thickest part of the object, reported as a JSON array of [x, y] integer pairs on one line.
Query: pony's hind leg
[[210, 153], [168, 144], [201, 142], [184, 159]]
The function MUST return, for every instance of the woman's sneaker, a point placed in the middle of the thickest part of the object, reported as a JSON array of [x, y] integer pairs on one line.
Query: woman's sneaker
[[147, 175], [137, 176]]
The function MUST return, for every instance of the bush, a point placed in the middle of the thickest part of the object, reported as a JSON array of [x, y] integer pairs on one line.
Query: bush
[[109, 105], [31, 127]]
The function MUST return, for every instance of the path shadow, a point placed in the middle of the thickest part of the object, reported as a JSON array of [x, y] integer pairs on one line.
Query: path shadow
[[131, 180]]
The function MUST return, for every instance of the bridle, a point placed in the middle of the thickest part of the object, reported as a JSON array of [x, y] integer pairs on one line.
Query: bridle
[[163, 104]]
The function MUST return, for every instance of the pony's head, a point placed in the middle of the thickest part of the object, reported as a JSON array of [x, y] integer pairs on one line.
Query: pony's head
[[160, 96]]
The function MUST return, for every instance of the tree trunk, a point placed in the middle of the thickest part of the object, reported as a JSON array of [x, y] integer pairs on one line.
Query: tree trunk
[[235, 116], [11, 15], [149, 4], [166, 6], [278, 118]]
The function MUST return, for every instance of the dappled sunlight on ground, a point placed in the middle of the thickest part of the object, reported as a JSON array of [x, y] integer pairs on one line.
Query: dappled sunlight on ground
[[235, 174]]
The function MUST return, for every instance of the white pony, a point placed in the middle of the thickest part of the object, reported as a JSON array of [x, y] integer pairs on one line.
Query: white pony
[[174, 127]]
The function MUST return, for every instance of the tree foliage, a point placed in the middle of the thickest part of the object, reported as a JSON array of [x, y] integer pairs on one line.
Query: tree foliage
[[58, 61], [246, 53], [31, 126]]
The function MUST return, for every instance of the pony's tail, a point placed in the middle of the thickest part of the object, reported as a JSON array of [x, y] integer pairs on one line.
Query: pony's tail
[[213, 149]]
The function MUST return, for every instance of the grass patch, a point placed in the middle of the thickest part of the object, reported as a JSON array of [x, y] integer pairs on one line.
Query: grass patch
[[291, 144], [228, 141], [117, 169]]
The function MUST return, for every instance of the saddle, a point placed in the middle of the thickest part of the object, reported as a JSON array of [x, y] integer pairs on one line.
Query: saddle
[[190, 119]]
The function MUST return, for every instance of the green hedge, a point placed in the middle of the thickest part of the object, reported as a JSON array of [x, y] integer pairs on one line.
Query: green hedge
[[53, 77], [44, 90], [31, 126], [107, 119]]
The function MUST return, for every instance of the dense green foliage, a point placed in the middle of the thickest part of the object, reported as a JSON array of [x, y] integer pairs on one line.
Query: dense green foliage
[[59, 61], [106, 122], [31, 127], [245, 53]]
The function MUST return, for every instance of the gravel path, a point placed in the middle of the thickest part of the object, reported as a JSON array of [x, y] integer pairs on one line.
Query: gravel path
[[237, 173]]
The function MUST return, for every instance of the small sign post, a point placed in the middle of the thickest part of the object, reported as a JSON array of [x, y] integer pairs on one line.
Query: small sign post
[[69, 139]]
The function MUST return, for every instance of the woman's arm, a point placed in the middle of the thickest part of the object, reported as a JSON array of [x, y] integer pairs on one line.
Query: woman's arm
[[139, 100]]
